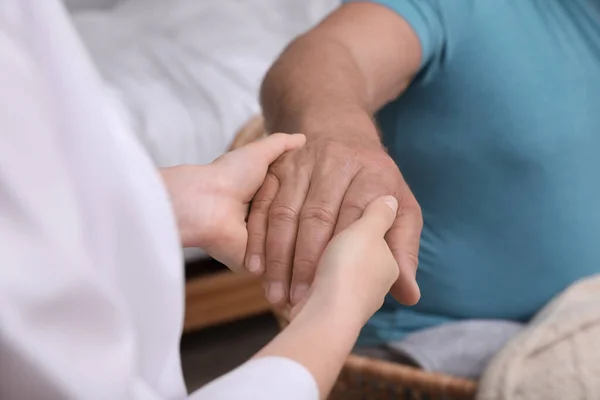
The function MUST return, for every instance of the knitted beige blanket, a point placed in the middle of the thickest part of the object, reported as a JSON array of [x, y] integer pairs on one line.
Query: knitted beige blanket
[[557, 357]]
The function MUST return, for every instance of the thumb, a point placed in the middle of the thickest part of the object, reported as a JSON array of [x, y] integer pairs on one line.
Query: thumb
[[269, 149], [403, 239], [378, 217]]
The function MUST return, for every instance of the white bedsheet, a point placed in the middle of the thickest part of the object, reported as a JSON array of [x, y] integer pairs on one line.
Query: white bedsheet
[[186, 73]]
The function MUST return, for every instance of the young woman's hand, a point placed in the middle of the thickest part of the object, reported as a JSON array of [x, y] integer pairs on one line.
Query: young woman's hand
[[357, 268], [211, 201]]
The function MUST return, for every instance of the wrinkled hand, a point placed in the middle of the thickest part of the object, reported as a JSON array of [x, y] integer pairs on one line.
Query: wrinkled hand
[[316, 191], [342, 283], [211, 201]]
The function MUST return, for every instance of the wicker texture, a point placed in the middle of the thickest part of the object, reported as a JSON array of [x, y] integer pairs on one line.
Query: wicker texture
[[365, 378]]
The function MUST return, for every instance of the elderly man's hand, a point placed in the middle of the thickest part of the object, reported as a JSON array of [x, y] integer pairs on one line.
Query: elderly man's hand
[[316, 191]]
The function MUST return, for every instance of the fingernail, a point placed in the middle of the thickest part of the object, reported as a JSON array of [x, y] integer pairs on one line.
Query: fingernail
[[299, 292], [254, 264], [275, 292], [391, 202]]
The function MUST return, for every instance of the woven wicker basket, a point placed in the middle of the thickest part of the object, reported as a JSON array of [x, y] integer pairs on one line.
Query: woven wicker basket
[[368, 378]]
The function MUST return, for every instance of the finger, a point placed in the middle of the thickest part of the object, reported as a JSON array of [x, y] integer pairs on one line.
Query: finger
[[362, 191], [258, 219], [269, 149], [379, 216], [317, 223], [281, 236], [403, 239]]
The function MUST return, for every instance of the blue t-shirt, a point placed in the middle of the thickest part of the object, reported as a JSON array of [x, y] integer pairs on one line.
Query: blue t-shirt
[[499, 139]]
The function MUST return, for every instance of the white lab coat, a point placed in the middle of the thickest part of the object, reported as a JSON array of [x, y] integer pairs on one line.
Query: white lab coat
[[91, 280]]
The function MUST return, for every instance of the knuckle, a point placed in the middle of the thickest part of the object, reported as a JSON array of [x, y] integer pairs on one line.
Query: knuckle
[[355, 206], [276, 264], [320, 214], [277, 269], [260, 205], [304, 269], [283, 213]]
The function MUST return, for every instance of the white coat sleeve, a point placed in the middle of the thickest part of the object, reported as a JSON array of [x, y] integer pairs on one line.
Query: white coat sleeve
[[269, 378]]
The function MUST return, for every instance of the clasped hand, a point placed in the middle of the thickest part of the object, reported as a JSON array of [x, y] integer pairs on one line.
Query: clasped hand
[[313, 193], [210, 202]]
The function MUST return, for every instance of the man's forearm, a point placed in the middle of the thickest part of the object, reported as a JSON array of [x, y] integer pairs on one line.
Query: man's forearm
[[332, 80], [316, 88]]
